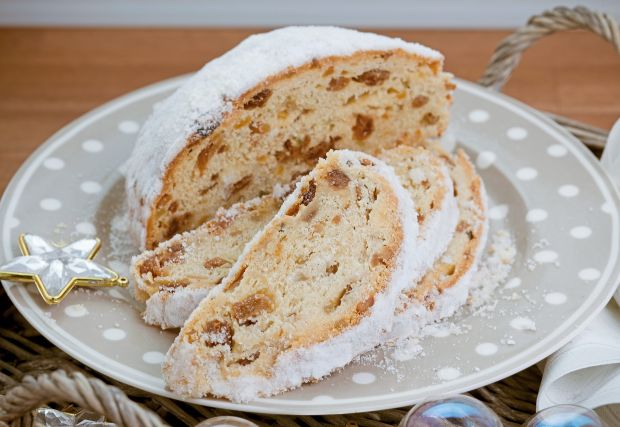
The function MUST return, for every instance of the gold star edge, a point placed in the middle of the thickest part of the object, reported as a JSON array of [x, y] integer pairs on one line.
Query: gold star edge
[[43, 262]]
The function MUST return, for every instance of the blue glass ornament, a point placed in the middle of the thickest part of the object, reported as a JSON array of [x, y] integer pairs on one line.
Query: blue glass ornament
[[565, 416], [457, 411]]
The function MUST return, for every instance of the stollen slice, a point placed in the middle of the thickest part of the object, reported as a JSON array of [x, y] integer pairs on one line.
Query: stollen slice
[[426, 176], [445, 287], [173, 278], [312, 290]]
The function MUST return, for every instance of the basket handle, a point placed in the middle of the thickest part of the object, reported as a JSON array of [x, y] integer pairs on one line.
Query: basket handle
[[86, 392], [508, 54]]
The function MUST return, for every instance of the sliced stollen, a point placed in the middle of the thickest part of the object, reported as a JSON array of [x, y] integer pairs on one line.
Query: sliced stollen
[[445, 288], [426, 177], [267, 110], [312, 290], [174, 277]]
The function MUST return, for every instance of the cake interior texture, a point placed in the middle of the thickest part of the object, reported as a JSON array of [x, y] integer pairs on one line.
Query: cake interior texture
[[179, 272], [315, 271], [277, 131], [202, 257], [173, 278]]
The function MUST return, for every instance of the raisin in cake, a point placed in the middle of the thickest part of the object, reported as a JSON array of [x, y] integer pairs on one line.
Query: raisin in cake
[[174, 277], [265, 111], [445, 288], [316, 287]]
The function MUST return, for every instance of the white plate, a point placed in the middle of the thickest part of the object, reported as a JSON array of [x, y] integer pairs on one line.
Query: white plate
[[543, 186]]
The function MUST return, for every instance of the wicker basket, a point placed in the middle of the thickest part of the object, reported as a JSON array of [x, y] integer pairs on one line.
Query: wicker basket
[[33, 372]]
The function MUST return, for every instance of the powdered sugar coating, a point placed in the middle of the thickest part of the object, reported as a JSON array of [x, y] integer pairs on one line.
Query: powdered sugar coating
[[202, 102], [171, 309], [437, 230], [412, 316], [185, 373]]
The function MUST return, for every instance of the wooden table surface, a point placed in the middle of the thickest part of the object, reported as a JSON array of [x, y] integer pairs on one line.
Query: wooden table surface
[[48, 77]]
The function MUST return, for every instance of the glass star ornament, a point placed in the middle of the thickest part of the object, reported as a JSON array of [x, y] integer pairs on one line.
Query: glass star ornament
[[56, 270]]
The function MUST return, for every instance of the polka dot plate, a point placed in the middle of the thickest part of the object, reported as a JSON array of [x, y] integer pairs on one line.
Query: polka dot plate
[[543, 186]]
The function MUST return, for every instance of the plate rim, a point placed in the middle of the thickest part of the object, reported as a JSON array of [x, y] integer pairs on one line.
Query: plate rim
[[573, 325]]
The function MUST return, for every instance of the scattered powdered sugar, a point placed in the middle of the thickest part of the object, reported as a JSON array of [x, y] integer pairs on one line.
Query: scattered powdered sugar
[[530, 264], [542, 243], [492, 272], [383, 358], [49, 316], [542, 256], [444, 329], [507, 340], [120, 250], [412, 347], [121, 246], [407, 350]]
